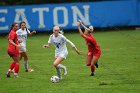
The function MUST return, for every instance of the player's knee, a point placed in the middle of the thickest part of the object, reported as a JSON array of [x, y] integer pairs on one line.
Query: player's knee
[[55, 65]]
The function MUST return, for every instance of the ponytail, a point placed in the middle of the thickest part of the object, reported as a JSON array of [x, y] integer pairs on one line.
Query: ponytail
[[61, 32]]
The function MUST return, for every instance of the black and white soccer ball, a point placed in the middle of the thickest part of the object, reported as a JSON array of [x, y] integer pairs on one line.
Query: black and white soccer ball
[[54, 79]]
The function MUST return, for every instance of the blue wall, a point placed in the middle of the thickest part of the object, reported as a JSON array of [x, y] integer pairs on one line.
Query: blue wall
[[99, 14]]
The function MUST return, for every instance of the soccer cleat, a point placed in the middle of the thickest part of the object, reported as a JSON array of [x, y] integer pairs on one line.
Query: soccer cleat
[[60, 78], [29, 70], [26, 70], [16, 76], [65, 71], [96, 64], [92, 74], [8, 74]]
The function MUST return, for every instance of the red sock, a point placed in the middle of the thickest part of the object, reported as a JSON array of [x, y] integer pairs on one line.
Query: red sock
[[12, 65], [92, 67], [16, 69]]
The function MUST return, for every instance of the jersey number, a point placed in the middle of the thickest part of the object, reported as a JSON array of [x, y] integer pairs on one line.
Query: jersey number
[[57, 45]]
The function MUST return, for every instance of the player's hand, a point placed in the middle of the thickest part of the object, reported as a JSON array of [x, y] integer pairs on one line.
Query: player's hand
[[20, 41], [34, 32], [19, 46], [78, 24], [77, 51], [45, 46]]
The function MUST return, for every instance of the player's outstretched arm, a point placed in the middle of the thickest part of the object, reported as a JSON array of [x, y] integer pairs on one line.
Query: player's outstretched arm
[[83, 25], [74, 47], [80, 31], [47, 46], [77, 51], [33, 32]]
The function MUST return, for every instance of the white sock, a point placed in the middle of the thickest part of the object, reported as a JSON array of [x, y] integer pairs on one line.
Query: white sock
[[9, 70], [15, 74], [59, 72], [63, 67]]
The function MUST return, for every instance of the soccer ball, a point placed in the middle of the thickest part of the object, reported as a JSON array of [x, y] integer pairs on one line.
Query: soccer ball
[[54, 79]]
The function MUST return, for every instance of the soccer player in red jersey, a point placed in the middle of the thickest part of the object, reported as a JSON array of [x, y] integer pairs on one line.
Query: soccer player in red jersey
[[94, 51], [13, 50]]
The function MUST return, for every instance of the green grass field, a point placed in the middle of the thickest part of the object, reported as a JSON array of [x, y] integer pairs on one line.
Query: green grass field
[[118, 72]]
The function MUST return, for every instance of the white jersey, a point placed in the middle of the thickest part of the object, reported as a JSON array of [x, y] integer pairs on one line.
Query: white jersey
[[60, 45], [22, 35]]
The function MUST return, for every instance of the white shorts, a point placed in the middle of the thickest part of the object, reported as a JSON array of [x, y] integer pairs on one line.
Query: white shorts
[[23, 49], [61, 54]]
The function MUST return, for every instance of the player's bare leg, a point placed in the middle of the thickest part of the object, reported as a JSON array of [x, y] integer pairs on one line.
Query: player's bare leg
[[58, 66], [94, 60], [88, 60], [24, 54], [88, 63]]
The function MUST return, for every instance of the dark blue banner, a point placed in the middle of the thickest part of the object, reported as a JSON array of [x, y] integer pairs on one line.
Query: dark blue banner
[[98, 14]]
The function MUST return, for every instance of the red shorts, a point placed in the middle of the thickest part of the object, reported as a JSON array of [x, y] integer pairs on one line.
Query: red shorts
[[11, 54], [97, 54]]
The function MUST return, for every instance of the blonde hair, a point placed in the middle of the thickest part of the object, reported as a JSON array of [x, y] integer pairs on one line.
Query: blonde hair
[[56, 27], [91, 28]]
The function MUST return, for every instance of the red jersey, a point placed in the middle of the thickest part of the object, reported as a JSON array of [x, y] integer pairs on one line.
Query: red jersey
[[92, 44], [12, 48]]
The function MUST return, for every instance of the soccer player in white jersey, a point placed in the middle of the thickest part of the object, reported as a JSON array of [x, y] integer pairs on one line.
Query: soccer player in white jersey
[[61, 51], [22, 33]]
